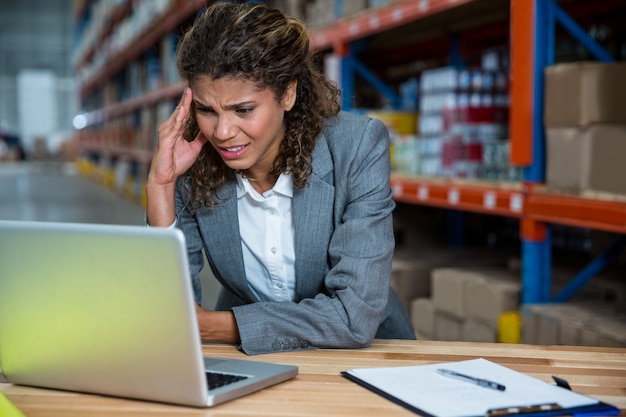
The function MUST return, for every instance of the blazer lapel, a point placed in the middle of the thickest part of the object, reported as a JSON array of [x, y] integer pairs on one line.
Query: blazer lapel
[[220, 228], [313, 220]]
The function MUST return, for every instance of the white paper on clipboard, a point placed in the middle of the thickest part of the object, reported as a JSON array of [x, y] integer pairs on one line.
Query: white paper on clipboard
[[423, 388]]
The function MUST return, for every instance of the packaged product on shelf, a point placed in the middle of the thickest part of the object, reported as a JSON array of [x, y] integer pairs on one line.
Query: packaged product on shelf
[[409, 92], [378, 3], [401, 122], [153, 71], [168, 58], [495, 59], [467, 131], [588, 323], [352, 7], [402, 128], [430, 148], [467, 109], [406, 157], [496, 165], [136, 78], [320, 13]]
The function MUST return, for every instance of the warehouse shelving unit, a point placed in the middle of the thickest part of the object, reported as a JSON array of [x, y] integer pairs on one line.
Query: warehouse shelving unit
[[104, 124], [532, 27], [365, 43]]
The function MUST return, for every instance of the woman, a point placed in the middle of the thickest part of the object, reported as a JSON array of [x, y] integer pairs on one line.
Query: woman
[[288, 196]]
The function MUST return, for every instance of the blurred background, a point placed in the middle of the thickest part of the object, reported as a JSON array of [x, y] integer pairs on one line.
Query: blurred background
[[508, 142]]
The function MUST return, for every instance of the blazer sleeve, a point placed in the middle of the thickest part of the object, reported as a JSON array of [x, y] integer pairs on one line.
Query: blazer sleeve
[[346, 313]]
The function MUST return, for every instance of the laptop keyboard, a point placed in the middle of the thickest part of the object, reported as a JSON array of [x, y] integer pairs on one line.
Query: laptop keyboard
[[216, 379]]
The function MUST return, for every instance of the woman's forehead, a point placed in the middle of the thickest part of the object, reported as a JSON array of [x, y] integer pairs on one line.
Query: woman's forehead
[[228, 90]]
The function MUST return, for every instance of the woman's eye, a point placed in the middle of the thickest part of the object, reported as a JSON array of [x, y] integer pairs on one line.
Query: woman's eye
[[244, 111], [202, 109]]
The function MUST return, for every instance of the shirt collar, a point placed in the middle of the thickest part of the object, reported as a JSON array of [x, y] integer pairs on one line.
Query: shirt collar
[[284, 186]]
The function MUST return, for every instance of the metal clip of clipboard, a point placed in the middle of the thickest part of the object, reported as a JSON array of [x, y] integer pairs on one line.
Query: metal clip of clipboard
[[510, 411]]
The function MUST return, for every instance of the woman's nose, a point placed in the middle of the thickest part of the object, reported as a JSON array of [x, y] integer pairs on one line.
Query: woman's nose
[[224, 128]]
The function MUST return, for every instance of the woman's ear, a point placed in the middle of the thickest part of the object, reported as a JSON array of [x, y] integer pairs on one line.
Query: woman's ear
[[289, 99]]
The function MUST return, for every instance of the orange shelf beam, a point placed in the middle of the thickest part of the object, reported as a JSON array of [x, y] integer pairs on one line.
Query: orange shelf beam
[[532, 204], [593, 213], [482, 198]]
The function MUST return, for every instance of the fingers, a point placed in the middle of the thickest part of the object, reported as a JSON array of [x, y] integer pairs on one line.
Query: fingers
[[172, 128], [184, 105], [201, 139]]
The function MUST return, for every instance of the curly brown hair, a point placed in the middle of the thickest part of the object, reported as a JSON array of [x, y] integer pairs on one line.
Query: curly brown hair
[[257, 43]]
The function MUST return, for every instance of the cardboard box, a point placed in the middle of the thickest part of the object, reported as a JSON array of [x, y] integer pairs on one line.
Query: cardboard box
[[423, 318], [564, 158], [449, 290], [493, 293], [589, 159], [583, 93], [447, 327], [588, 323], [530, 323], [589, 336], [410, 279], [547, 328], [475, 330], [570, 332]]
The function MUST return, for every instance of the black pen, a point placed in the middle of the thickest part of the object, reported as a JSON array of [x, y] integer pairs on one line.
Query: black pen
[[472, 380]]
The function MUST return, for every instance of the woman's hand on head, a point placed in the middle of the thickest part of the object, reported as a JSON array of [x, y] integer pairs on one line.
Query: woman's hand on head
[[174, 155]]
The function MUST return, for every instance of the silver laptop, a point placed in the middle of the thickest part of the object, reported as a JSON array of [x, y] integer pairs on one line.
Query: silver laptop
[[109, 310]]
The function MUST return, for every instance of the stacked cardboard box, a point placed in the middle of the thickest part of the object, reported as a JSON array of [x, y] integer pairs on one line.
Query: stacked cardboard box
[[585, 121], [413, 266], [578, 324], [410, 278], [466, 303]]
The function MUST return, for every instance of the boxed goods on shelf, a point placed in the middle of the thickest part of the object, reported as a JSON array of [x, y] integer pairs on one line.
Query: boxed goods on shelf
[[410, 279], [580, 324], [448, 327], [464, 110], [353, 7], [587, 159], [423, 317], [168, 58], [480, 293], [320, 13], [402, 126], [584, 93], [140, 16], [475, 330], [585, 120], [466, 303]]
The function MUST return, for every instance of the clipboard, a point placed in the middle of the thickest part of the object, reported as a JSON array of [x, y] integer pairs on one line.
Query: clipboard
[[424, 391]]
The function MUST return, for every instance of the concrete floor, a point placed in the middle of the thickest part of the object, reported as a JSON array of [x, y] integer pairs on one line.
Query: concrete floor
[[53, 192]]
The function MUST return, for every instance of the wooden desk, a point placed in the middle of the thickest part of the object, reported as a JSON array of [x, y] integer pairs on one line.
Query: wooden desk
[[319, 390]]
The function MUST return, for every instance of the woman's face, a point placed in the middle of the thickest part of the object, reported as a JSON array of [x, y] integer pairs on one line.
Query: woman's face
[[244, 124]]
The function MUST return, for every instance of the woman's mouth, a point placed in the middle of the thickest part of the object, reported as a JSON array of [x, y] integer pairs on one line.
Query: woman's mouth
[[233, 152]]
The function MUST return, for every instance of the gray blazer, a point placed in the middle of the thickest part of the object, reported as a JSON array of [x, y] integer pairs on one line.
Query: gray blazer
[[343, 243]]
